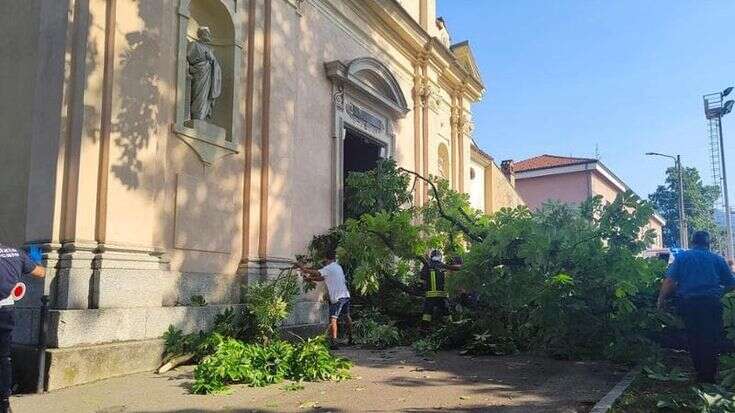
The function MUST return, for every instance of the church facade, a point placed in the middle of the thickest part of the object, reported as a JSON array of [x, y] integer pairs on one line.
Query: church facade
[[142, 201]]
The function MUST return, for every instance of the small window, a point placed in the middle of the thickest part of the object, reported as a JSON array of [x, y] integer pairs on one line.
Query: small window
[[472, 173]]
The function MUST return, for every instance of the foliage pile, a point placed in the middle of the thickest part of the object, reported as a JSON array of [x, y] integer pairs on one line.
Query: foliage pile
[[246, 348], [668, 385], [375, 331], [564, 280], [567, 281], [264, 364], [267, 304]]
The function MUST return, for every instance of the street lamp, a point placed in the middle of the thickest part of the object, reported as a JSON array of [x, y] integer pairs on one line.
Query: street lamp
[[683, 231], [714, 108]]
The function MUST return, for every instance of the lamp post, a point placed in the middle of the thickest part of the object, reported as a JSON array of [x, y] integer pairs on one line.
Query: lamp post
[[683, 230], [715, 109]]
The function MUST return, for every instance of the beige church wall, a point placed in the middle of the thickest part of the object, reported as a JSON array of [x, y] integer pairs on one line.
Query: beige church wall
[[160, 194], [504, 195], [80, 131], [203, 204], [17, 75], [31, 84], [441, 129], [284, 141], [138, 106], [413, 7], [431, 18], [301, 142]]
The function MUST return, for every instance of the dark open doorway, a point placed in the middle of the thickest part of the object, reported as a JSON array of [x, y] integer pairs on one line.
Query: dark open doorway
[[360, 154]]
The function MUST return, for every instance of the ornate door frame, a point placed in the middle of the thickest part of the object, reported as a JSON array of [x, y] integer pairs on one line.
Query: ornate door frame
[[366, 98]]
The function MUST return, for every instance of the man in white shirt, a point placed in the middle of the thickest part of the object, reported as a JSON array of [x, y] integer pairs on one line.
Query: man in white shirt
[[339, 296]]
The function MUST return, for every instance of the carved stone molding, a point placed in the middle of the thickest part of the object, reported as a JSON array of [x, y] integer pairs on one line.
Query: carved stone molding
[[298, 5], [339, 97], [389, 96], [466, 126], [454, 117], [367, 120]]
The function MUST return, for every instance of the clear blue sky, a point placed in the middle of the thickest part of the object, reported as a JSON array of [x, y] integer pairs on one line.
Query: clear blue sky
[[627, 75]]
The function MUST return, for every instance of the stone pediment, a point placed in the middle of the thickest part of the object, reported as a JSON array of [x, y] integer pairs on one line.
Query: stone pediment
[[463, 53], [372, 79]]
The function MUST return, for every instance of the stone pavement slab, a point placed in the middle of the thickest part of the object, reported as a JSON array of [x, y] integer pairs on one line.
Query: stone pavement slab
[[390, 380]]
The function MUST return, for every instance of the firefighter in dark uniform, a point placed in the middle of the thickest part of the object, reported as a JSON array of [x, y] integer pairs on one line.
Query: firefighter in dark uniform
[[433, 275], [13, 264]]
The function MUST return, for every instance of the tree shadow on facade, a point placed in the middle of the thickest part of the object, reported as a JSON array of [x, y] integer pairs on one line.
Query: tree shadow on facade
[[137, 118]]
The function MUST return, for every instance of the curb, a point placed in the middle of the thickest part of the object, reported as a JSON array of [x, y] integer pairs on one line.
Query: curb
[[607, 402]]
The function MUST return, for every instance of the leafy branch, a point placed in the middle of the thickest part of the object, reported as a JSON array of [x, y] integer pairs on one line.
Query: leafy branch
[[457, 223]]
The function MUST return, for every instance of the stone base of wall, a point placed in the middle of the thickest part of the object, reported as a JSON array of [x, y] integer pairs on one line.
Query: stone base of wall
[[67, 367], [78, 365], [110, 310]]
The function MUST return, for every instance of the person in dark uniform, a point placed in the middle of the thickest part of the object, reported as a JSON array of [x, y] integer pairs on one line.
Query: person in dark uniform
[[13, 264], [699, 278], [433, 275]]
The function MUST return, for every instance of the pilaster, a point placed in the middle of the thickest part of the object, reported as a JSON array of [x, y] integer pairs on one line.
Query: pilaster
[[417, 95]]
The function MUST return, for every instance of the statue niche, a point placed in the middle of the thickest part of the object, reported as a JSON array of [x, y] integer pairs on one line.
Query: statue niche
[[206, 76], [209, 54]]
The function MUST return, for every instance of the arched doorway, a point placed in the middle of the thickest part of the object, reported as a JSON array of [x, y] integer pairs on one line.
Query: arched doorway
[[367, 103]]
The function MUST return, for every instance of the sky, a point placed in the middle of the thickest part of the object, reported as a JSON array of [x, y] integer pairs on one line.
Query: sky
[[615, 78]]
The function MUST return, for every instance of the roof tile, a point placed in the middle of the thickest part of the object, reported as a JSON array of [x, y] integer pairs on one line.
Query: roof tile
[[548, 161]]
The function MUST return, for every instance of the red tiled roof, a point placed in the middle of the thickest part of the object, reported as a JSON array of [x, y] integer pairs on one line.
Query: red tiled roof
[[548, 161]]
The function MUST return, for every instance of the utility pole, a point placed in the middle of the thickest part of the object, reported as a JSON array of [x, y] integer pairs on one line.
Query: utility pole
[[683, 229]]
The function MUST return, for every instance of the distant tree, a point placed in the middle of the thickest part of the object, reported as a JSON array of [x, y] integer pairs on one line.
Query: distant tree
[[699, 204]]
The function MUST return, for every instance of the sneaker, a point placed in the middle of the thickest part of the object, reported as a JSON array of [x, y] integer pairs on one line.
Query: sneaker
[[333, 345]]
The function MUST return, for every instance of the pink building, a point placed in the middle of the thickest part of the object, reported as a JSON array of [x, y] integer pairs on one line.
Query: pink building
[[571, 180]]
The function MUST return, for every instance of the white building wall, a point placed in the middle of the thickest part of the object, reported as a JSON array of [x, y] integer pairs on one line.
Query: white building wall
[[476, 188]]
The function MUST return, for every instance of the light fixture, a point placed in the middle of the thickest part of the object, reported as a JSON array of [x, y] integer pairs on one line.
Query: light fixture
[[727, 107]]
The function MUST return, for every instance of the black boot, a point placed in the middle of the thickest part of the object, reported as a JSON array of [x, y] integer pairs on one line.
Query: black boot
[[5, 406]]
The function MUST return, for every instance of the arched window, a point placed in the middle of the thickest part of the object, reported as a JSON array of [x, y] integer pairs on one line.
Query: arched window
[[443, 161]]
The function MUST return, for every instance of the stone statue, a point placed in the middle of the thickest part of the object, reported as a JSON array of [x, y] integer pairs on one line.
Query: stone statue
[[206, 75]]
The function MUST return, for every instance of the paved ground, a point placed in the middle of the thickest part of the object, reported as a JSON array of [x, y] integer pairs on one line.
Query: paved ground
[[392, 380]]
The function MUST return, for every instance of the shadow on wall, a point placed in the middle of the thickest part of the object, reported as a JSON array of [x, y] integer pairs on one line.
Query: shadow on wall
[[137, 118]]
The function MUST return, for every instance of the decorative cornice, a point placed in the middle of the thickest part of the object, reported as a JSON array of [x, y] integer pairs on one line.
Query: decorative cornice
[[298, 6], [454, 117], [342, 74], [465, 124]]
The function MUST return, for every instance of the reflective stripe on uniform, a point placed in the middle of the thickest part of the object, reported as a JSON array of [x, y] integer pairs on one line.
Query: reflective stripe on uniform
[[433, 292]]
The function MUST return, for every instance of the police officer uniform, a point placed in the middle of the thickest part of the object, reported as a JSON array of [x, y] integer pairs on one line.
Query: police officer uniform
[[13, 264]]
